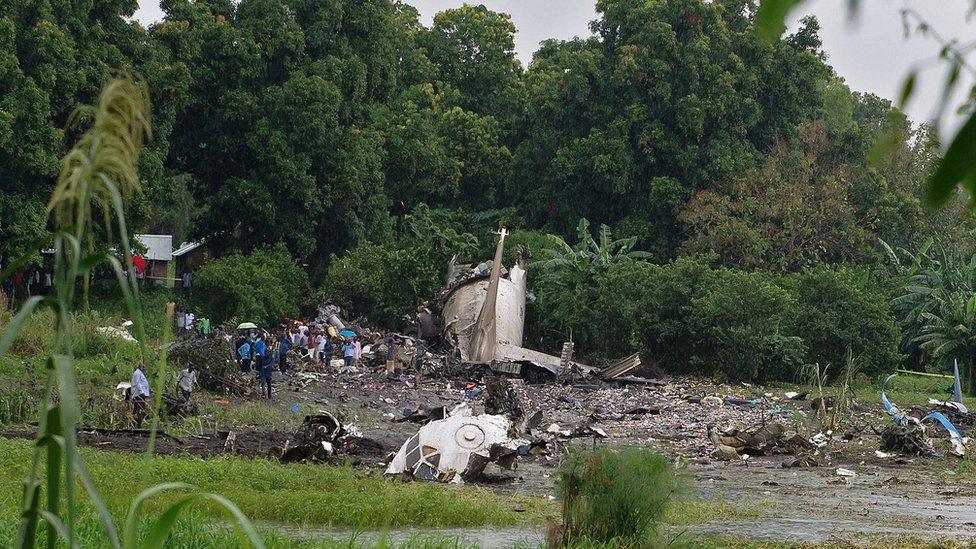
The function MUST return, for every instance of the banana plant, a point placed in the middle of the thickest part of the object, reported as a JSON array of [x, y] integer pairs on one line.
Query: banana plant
[[96, 176], [951, 334], [588, 256]]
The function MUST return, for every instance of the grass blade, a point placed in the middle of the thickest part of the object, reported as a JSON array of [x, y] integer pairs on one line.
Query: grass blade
[[55, 526], [68, 390], [129, 530], [55, 448], [103, 514]]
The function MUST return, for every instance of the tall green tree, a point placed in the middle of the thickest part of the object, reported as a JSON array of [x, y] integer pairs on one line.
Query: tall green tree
[[474, 51], [673, 96], [54, 55]]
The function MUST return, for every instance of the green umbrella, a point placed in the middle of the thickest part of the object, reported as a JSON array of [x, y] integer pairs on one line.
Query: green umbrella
[[247, 326]]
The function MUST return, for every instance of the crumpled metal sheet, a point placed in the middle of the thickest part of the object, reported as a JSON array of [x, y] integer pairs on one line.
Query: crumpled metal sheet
[[456, 448], [901, 419]]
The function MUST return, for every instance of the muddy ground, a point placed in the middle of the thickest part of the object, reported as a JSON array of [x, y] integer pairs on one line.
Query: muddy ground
[[917, 497]]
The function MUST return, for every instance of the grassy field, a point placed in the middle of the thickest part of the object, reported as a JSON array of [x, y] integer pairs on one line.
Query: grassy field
[[298, 494]]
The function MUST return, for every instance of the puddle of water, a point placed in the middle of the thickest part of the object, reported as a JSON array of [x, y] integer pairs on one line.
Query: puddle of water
[[807, 530], [483, 538]]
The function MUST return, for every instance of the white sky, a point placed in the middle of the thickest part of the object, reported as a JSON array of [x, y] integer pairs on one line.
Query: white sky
[[871, 54]]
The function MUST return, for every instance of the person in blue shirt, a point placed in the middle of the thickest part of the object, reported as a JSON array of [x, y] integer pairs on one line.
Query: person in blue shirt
[[266, 368], [283, 349], [349, 353], [244, 355], [258, 348]]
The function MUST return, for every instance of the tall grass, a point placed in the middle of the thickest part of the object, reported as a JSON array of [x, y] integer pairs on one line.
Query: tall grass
[[613, 496], [87, 209]]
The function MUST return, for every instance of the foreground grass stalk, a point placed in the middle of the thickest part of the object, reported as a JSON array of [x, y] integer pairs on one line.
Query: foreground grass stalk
[[98, 172]]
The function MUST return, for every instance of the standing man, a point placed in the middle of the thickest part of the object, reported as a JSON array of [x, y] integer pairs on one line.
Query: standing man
[[244, 354], [266, 367], [390, 355], [283, 349], [359, 351], [140, 394], [190, 317], [188, 378], [325, 348], [349, 353], [311, 344], [257, 350]]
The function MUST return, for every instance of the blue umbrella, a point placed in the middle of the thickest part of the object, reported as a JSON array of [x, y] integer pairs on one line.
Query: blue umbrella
[[347, 333]]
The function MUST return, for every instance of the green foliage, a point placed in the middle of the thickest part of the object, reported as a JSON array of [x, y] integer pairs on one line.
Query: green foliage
[[387, 281], [566, 272], [319, 124], [384, 281], [296, 494], [687, 317], [668, 99], [936, 307], [841, 310], [265, 286], [740, 321], [95, 175], [474, 50], [614, 496]]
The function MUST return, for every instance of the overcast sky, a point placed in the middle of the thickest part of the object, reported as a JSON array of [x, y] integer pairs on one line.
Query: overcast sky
[[871, 54]]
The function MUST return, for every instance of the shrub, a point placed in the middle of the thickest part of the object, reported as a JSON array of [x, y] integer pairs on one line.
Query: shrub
[[740, 324], [384, 281], [841, 309], [265, 286], [614, 496]]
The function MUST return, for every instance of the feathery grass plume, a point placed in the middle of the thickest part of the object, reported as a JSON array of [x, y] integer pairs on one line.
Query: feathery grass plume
[[102, 167], [106, 154], [96, 175]]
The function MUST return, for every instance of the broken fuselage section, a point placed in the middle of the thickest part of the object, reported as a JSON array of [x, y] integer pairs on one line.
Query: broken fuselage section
[[483, 313]]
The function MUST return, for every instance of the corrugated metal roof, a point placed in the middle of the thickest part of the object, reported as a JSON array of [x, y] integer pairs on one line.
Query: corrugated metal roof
[[159, 247], [188, 247]]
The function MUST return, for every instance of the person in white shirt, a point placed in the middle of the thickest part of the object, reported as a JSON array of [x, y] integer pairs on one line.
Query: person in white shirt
[[188, 378], [321, 342], [140, 394]]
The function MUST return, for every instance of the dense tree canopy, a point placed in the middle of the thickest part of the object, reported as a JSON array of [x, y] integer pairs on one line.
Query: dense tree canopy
[[317, 123], [334, 127]]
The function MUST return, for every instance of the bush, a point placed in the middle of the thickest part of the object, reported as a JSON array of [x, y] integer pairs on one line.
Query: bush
[[265, 286], [841, 309], [687, 317], [741, 327], [384, 282], [387, 281], [614, 496]]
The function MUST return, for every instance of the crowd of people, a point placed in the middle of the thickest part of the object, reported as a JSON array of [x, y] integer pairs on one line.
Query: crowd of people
[[24, 283], [263, 352]]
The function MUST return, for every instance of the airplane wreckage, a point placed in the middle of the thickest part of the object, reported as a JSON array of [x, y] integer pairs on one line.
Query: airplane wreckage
[[482, 316]]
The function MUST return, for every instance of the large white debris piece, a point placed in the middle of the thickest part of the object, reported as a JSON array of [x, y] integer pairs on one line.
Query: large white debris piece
[[456, 448]]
